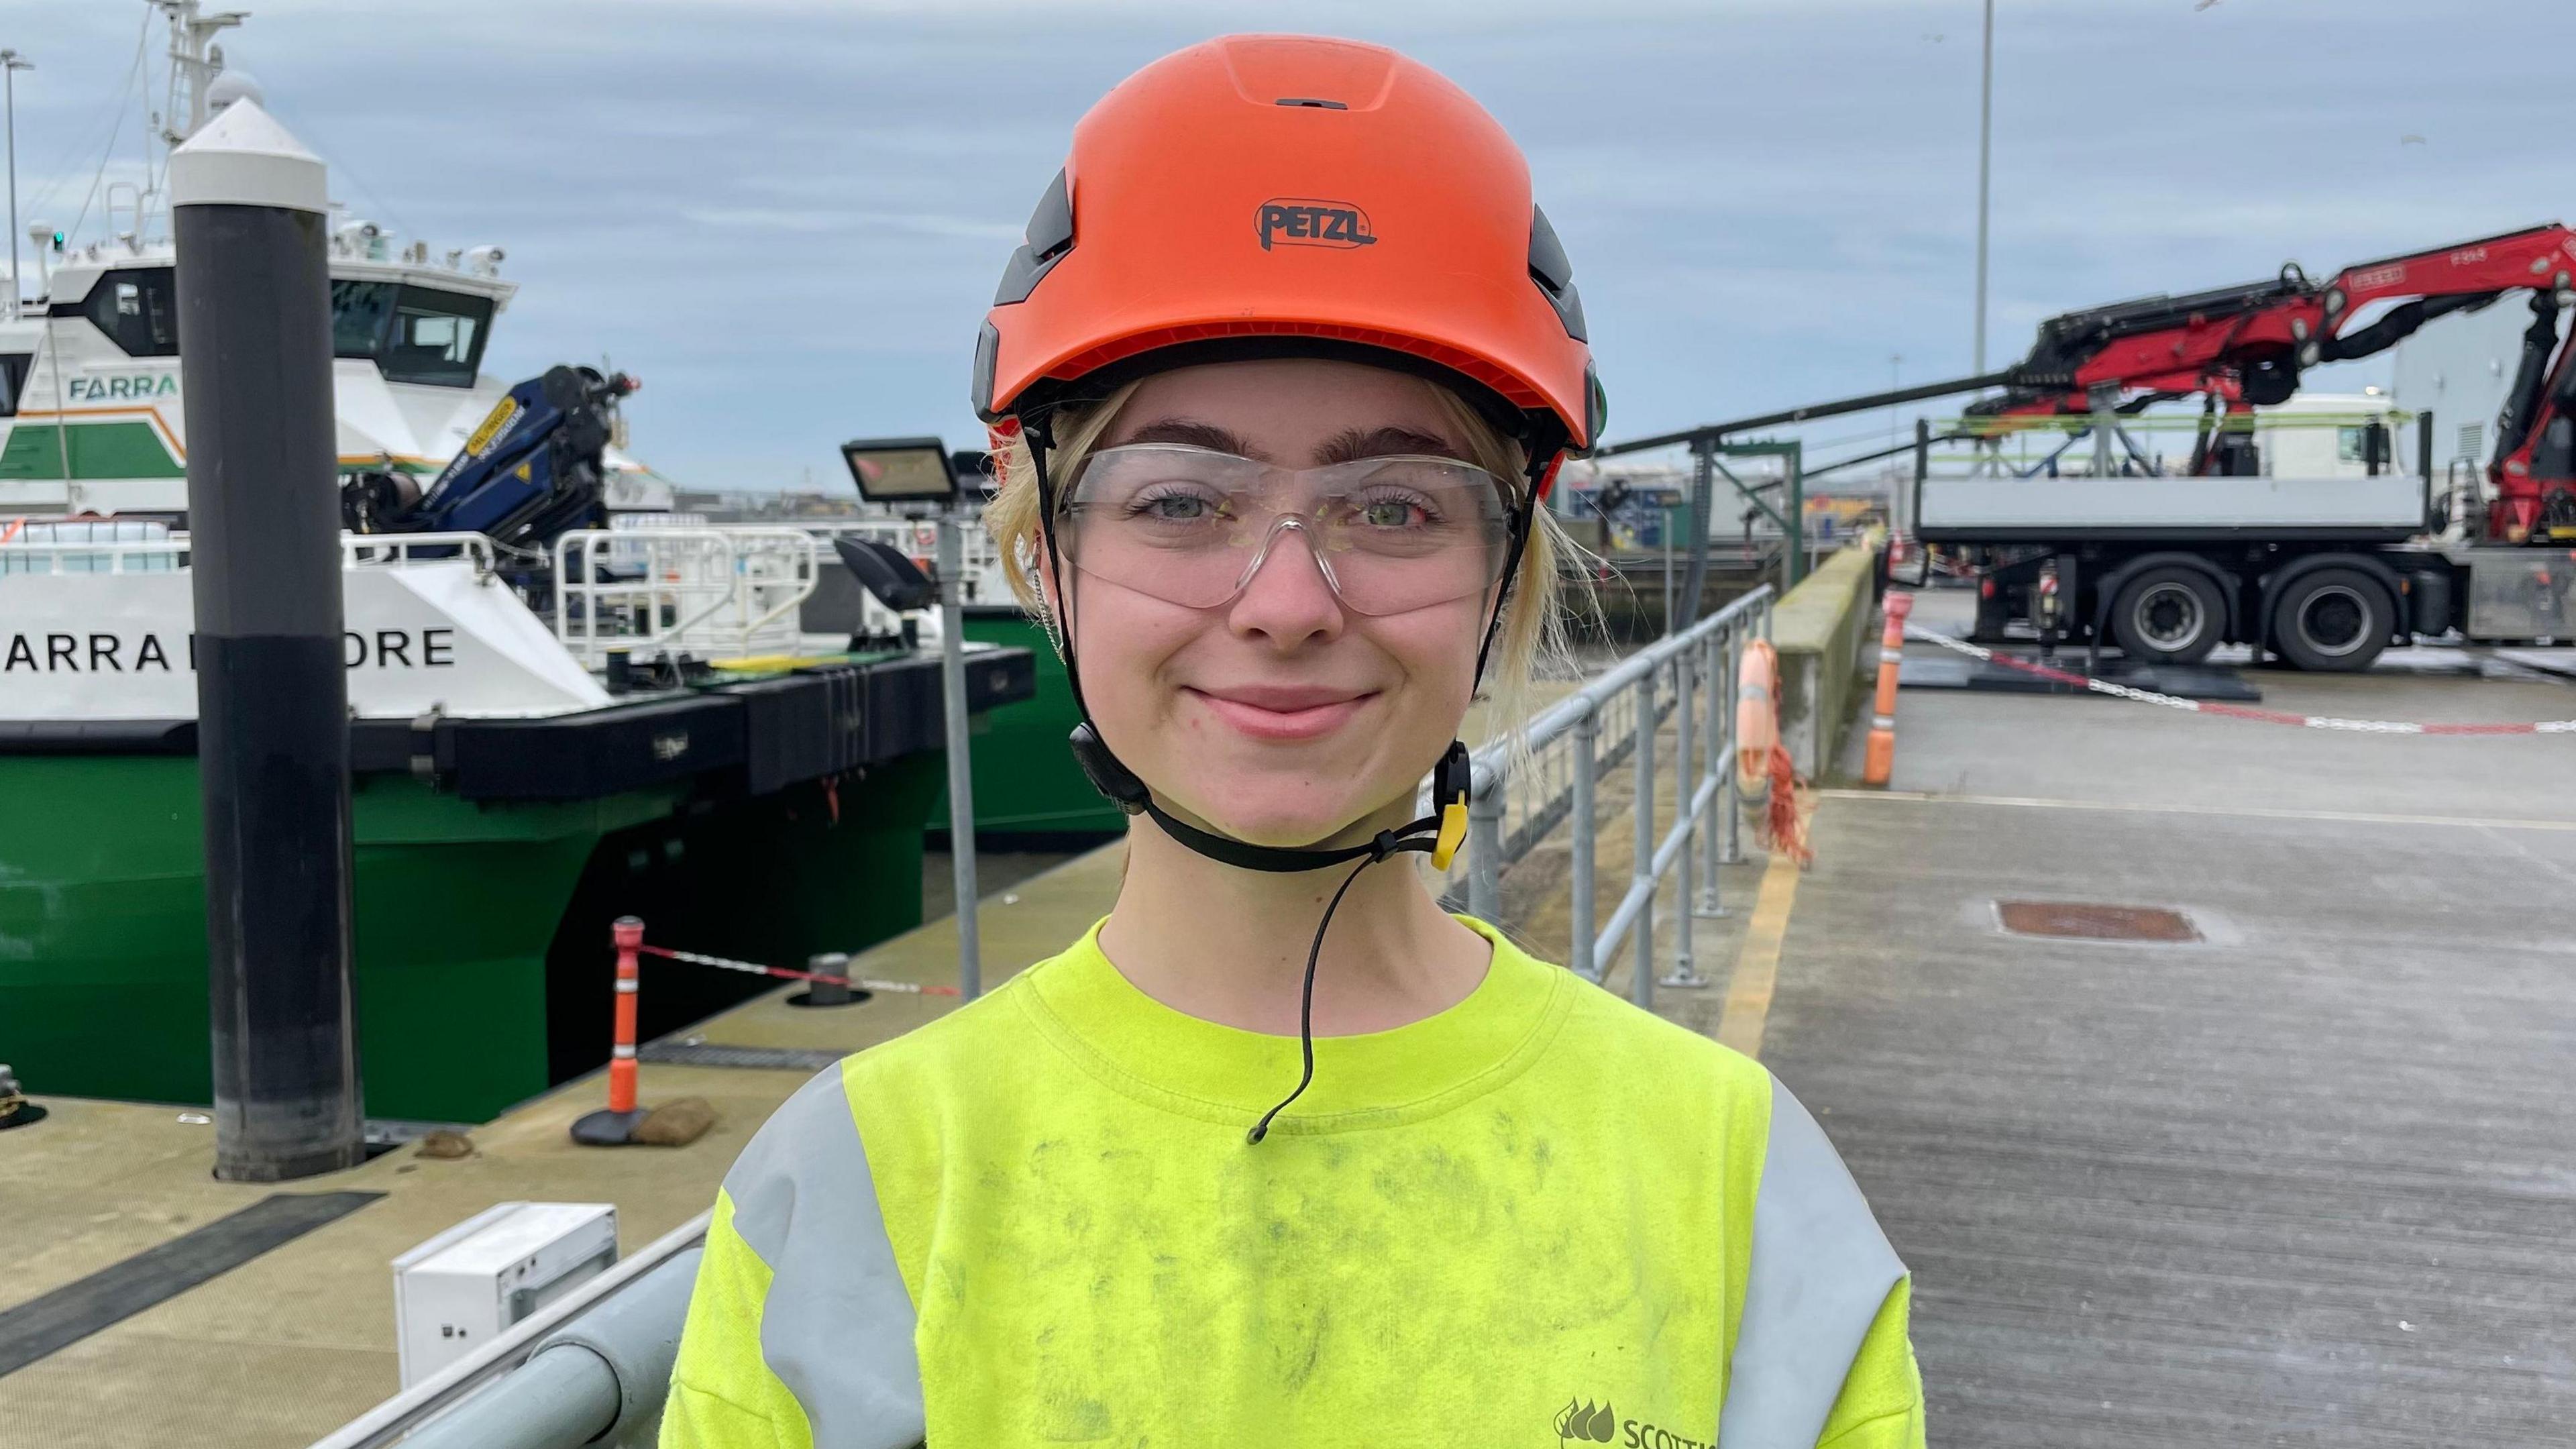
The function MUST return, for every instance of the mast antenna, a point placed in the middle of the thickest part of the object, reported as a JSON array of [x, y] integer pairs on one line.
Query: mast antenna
[[194, 62]]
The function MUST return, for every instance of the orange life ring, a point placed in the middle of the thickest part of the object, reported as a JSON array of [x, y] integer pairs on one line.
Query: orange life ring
[[1757, 725], [1766, 780]]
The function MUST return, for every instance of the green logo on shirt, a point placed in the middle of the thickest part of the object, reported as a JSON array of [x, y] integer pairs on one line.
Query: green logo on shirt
[[1581, 1421]]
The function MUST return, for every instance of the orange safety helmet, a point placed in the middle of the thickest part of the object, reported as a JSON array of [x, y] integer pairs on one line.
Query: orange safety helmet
[[1270, 195]]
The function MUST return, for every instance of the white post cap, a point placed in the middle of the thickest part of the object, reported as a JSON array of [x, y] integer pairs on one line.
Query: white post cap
[[243, 157]]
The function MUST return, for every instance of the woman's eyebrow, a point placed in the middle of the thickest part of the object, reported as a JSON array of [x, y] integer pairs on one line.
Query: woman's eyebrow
[[1190, 434], [1355, 443]]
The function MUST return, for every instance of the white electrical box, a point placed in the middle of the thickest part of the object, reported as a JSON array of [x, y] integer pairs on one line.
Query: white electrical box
[[467, 1286]]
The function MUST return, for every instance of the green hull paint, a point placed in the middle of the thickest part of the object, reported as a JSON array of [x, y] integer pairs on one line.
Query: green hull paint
[[94, 450], [1026, 781], [483, 969]]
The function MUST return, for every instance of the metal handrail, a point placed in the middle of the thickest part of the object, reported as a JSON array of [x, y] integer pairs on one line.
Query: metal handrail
[[982, 578], [1563, 745], [168, 552], [379, 550], [489, 1383], [62, 557], [712, 582]]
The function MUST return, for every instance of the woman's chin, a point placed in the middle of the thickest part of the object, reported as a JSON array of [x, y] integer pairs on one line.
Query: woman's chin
[[1291, 820]]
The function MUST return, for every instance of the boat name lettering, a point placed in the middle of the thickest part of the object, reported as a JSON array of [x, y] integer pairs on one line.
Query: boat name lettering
[[126, 654], [105, 389]]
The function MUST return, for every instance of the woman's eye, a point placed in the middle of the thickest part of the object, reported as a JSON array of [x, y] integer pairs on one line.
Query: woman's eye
[[1177, 508], [1395, 511]]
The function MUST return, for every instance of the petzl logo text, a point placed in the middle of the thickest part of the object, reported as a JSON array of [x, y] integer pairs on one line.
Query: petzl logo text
[[1581, 1423], [1287, 221]]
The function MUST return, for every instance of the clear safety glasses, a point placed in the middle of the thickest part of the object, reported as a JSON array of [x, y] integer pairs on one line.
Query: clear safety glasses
[[1191, 526]]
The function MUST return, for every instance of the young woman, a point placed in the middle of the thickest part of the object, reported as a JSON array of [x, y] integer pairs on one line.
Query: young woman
[[1279, 1153]]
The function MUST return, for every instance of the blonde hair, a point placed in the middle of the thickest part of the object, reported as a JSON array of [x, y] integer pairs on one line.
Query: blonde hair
[[1535, 631]]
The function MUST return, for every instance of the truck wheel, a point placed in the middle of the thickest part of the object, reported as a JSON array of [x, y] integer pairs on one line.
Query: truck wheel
[[2170, 614], [2333, 620]]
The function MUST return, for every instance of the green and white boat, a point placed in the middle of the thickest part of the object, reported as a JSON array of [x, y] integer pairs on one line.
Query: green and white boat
[[531, 756], [90, 414], [506, 804]]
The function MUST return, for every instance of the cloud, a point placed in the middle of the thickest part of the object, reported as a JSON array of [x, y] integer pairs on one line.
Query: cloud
[[788, 215]]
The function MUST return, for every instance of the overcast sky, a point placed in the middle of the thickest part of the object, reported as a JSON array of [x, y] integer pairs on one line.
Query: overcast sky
[[788, 217]]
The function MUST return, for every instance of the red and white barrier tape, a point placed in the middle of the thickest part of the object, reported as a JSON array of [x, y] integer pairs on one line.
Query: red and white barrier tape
[[2238, 711], [866, 983]]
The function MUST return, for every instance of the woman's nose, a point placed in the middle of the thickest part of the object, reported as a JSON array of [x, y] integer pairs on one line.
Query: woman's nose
[[1287, 599]]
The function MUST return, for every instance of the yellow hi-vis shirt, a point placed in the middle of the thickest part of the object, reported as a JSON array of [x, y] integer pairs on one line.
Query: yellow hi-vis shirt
[[1541, 1217]]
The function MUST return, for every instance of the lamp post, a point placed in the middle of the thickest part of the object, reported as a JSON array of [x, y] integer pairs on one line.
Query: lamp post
[[920, 477], [11, 62], [1985, 151]]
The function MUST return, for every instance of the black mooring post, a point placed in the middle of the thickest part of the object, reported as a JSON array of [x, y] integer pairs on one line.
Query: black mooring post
[[248, 206]]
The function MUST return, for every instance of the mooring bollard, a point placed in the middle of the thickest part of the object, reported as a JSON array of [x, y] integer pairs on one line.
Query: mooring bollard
[[831, 986], [249, 208], [615, 1127], [1881, 759]]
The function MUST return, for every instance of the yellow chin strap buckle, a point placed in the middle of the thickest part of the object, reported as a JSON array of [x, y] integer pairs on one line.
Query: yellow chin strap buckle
[[1453, 833], [1451, 783]]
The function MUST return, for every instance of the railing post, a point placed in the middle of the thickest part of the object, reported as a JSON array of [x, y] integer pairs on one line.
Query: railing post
[[1641, 982], [1726, 771], [1485, 849], [1712, 675], [1686, 783], [1579, 817]]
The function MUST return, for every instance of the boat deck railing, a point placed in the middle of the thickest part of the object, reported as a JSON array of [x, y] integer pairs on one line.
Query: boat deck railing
[[983, 581], [725, 591], [153, 548]]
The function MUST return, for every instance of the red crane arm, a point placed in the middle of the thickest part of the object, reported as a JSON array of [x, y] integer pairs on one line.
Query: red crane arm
[[2309, 320]]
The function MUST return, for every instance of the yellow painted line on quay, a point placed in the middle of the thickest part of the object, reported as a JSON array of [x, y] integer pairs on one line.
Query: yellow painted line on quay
[[1757, 961]]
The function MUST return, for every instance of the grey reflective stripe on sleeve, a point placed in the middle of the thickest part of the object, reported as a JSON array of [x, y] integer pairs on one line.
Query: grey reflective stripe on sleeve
[[837, 1326], [1821, 1271]]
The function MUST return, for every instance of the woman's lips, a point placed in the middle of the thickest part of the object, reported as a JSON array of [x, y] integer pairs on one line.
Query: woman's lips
[[1282, 717]]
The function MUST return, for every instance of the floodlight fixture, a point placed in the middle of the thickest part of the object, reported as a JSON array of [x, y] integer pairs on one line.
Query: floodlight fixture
[[901, 470]]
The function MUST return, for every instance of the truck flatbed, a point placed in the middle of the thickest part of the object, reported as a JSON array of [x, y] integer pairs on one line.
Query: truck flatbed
[[2388, 508]]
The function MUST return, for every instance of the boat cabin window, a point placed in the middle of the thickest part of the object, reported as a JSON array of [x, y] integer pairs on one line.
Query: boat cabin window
[[138, 308], [14, 367], [413, 334]]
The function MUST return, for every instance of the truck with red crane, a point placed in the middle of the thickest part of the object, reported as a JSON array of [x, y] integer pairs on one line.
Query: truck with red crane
[[2323, 572]]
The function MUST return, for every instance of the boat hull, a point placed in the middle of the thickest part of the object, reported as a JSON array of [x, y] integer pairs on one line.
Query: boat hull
[[483, 967]]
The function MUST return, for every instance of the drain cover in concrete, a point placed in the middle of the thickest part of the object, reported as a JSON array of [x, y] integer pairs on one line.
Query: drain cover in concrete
[[2091, 921], [710, 1054]]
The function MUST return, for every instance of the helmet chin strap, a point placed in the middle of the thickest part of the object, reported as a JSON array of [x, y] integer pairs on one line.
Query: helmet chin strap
[[1437, 835]]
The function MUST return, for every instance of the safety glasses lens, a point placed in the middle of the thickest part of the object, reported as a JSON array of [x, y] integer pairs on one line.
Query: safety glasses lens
[[1191, 526]]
